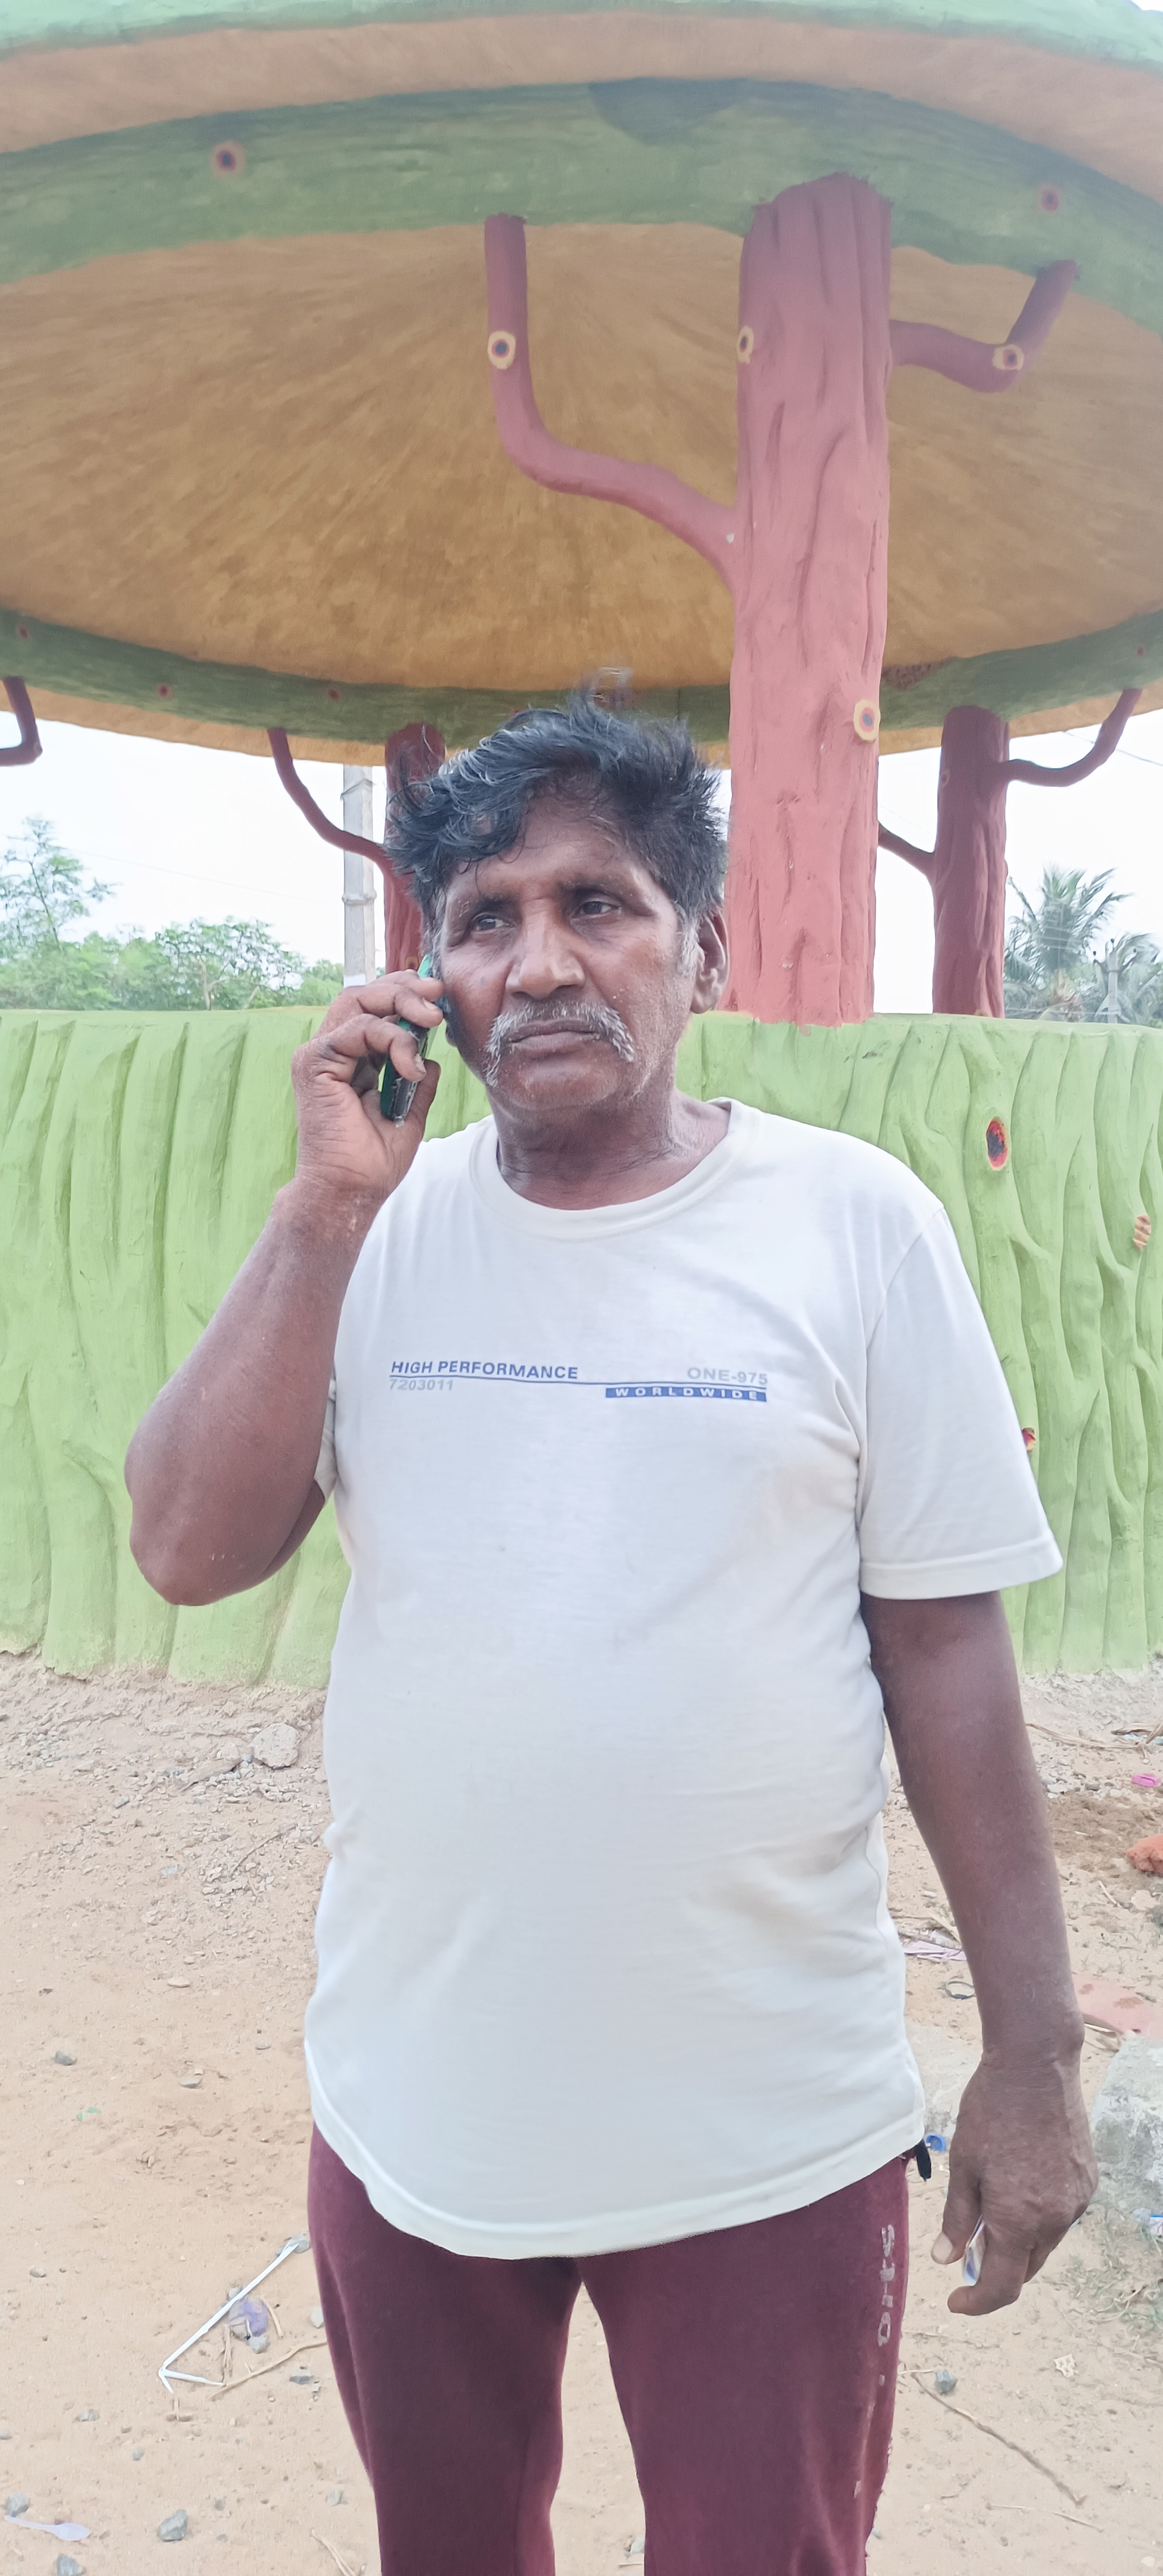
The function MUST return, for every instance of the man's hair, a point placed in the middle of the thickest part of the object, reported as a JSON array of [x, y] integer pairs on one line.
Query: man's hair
[[643, 782]]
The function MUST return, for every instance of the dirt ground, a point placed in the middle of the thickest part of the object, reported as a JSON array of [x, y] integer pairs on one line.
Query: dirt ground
[[158, 1891]]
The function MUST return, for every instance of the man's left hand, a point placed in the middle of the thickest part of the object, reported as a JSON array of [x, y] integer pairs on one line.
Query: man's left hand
[[1022, 2160]]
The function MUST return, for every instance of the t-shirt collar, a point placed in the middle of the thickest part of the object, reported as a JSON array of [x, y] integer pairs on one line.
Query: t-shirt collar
[[527, 1216]]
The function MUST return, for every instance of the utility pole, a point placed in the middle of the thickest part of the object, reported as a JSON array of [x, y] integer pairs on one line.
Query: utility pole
[[359, 882]]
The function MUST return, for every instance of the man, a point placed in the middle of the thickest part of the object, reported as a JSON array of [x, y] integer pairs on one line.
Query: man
[[670, 1454]]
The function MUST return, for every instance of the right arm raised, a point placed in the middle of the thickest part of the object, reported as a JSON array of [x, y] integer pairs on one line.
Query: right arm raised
[[221, 1471]]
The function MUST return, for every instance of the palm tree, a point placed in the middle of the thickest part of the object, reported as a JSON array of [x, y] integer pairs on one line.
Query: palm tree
[[1126, 982], [1051, 943]]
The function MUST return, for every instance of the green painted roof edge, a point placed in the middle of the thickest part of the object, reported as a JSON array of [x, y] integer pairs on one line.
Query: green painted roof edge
[[651, 152], [1108, 31], [103, 672]]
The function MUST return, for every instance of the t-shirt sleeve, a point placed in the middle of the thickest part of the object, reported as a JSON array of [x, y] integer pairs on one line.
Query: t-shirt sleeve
[[948, 1502], [325, 1471]]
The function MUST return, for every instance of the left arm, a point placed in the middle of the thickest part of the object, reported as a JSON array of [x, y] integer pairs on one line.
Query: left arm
[[1021, 2156]]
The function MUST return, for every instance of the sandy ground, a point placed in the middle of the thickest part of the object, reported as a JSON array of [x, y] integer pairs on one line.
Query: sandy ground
[[156, 1935]]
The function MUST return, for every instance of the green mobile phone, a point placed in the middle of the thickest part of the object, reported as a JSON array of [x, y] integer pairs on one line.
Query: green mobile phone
[[397, 1095]]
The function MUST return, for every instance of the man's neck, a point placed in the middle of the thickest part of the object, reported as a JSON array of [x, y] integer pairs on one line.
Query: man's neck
[[612, 1154]]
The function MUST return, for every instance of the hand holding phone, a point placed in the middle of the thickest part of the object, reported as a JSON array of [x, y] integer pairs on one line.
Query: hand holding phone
[[396, 1094]]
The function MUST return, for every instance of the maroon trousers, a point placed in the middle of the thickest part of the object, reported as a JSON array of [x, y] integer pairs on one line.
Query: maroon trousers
[[755, 2369]]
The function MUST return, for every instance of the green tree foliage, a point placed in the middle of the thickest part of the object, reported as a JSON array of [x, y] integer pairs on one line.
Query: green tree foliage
[[1052, 967], [191, 966]]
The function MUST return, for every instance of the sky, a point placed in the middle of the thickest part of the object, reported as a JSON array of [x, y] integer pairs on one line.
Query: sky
[[181, 835]]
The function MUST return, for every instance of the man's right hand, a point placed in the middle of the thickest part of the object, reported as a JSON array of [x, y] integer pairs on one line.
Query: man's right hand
[[222, 1469], [347, 1148]]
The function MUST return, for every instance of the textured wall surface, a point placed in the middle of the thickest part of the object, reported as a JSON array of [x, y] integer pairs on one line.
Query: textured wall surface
[[140, 1155]]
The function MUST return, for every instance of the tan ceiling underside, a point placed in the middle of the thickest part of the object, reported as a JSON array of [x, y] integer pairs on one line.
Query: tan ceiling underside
[[283, 453], [1103, 115]]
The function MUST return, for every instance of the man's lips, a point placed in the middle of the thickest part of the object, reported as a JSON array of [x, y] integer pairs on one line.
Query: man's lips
[[550, 1029]]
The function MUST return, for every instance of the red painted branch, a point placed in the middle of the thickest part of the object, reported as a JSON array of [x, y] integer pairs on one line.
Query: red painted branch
[[1032, 773], [922, 859], [650, 489], [17, 754], [984, 368], [302, 797]]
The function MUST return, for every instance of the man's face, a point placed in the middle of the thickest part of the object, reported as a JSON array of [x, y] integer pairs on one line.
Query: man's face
[[570, 974]]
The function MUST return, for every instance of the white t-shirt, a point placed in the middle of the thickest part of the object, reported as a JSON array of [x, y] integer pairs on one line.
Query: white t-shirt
[[605, 1957]]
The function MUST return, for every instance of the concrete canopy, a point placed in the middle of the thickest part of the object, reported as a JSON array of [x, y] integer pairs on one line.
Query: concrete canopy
[[252, 473]]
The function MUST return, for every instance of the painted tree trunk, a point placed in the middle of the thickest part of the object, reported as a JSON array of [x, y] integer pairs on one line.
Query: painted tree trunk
[[803, 550], [810, 588], [414, 752], [968, 867]]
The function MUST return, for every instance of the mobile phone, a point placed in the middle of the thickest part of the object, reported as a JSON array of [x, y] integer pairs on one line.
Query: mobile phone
[[396, 1094], [974, 2256]]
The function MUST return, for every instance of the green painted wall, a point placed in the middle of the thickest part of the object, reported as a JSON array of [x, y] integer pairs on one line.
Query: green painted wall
[[140, 1155]]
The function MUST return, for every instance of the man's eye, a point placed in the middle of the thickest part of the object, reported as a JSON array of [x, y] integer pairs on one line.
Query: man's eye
[[593, 905], [485, 921]]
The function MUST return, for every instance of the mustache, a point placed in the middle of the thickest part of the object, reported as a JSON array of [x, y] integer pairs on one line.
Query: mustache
[[595, 1018]]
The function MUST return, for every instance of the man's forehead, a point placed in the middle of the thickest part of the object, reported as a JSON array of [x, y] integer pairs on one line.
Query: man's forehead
[[569, 851]]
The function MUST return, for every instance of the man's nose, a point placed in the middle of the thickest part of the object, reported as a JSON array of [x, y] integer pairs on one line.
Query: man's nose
[[544, 961]]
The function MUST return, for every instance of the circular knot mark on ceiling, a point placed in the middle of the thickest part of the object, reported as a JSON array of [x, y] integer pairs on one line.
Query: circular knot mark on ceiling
[[502, 350], [1010, 360], [228, 160], [997, 1143], [744, 345], [866, 719], [1050, 200]]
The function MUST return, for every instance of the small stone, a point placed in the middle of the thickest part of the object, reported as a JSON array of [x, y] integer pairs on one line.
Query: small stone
[[15, 2504], [175, 2525], [63, 2565], [138, 2454], [88, 2415], [191, 2082], [302, 2378], [276, 1747], [315, 2317], [64, 2057], [219, 2504], [36, 2273], [258, 2343], [5, 2432], [336, 2496], [945, 2381]]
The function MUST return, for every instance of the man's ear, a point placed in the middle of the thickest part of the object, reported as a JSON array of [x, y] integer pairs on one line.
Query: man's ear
[[713, 962]]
